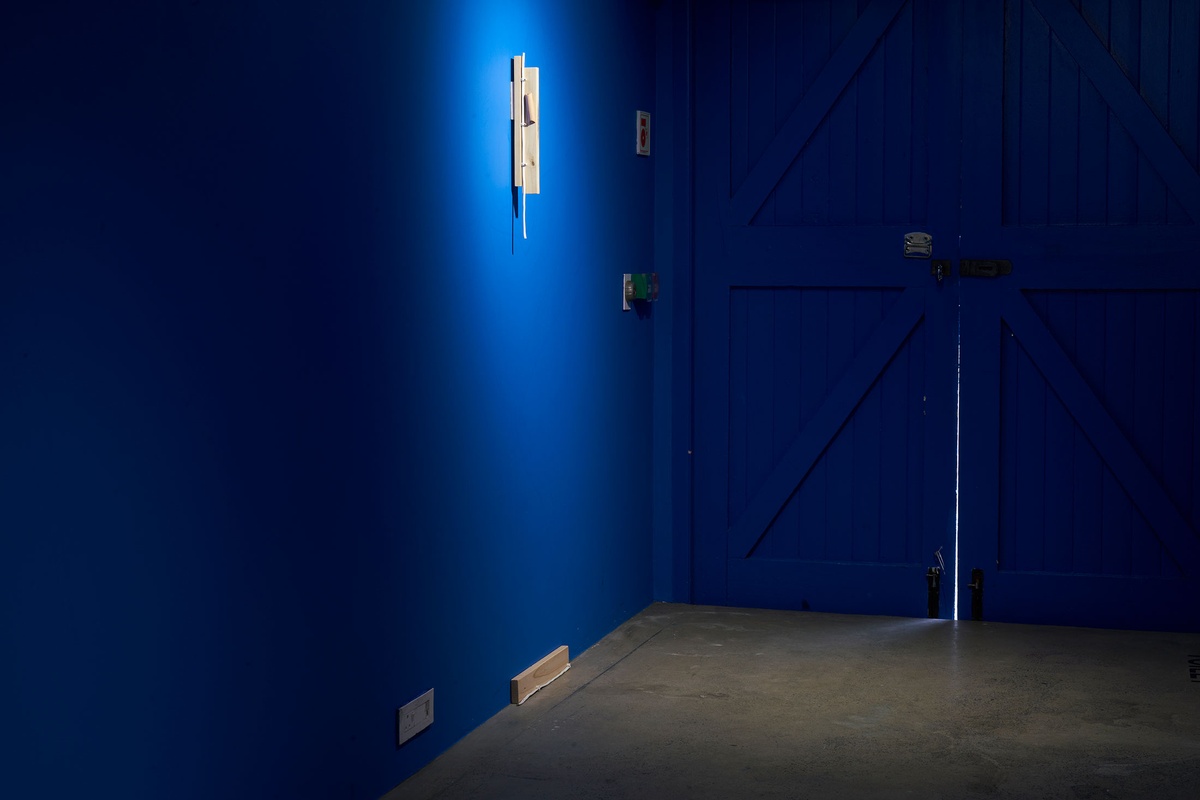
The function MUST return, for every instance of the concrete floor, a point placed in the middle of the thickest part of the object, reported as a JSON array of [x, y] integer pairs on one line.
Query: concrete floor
[[703, 702]]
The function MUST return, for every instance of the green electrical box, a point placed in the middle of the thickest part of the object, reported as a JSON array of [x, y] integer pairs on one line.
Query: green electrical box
[[640, 287]]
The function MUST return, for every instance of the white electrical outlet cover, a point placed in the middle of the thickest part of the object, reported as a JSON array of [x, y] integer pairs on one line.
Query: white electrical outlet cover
[[414, 717]]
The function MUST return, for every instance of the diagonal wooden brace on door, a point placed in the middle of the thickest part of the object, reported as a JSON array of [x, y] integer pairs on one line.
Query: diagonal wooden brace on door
[[813, 107], [1102, 431], [1127, 104], [815, 438]]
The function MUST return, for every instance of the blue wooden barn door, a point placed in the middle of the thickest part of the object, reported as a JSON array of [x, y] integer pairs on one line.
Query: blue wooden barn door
[[1081, 389], [824, 359]]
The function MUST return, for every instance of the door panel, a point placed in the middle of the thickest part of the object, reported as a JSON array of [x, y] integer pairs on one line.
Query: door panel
[[1121, 117], [824, 435], [1079, 370], [829, 112], [1045, 453], [791, 351]]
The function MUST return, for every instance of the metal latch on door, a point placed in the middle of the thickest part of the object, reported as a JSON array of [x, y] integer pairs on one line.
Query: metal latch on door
[[919, 244], [971, 268], [980, 268]]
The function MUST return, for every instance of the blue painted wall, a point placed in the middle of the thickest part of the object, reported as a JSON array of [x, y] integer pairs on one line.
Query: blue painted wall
[[293, 424]]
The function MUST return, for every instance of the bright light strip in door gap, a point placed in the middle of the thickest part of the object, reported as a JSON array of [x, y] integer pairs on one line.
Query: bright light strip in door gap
[[957, 443]]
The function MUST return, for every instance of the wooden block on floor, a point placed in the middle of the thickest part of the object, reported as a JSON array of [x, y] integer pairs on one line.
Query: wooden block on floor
[[540, 674]]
